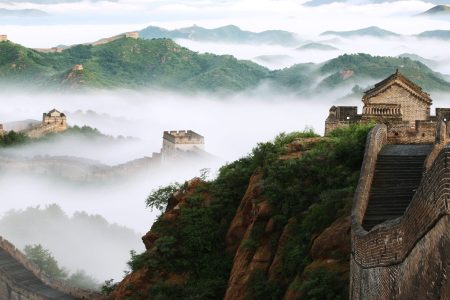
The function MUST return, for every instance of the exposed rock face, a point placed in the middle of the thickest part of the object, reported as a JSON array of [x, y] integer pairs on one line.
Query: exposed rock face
[[335, 239], [256, 238]]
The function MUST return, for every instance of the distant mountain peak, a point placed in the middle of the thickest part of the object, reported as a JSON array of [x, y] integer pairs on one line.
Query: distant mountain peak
[[437, 11], [372, 31], [224, 34]]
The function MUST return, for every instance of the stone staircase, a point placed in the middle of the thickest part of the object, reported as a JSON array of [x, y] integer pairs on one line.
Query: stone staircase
[[398, 173]]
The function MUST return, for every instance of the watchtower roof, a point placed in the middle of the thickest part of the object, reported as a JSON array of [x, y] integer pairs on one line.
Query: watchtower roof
[[401, 80], [55, 111]]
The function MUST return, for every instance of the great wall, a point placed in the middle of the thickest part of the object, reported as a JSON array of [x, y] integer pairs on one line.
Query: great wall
[[22, 280], [400, 217], [182, 146]]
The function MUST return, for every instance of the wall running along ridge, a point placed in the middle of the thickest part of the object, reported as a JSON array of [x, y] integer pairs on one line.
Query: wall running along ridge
[[408, 257], [11, 290]]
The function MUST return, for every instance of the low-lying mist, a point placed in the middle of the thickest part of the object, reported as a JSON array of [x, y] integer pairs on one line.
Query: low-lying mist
[[78, 242], [277, 57], [231, 125]]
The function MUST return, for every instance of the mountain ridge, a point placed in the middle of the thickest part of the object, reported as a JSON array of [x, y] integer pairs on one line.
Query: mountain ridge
[[161, 63], [224, 34]]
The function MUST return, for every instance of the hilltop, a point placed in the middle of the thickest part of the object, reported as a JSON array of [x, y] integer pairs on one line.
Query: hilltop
[[323, 2], [316, 46], [132, 63], [372, 31], [225, 34], [273, 225], [128, 63], [438, 10], [435, 34], [357, 70]]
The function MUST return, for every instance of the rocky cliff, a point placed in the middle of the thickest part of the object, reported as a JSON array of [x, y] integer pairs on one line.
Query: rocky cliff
[[273, 225]]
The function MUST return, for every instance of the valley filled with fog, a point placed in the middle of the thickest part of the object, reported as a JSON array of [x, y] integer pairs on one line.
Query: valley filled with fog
[[232, 126]]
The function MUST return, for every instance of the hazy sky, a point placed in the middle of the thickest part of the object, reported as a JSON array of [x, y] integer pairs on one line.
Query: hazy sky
[[82, 21]]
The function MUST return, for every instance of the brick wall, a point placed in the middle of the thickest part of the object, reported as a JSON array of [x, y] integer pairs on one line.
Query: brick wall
[[376, 140], [13, 290], [412, 108], [405, 258]]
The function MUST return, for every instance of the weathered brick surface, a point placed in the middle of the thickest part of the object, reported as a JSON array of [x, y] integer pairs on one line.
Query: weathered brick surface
[[10, 290], [422, 275], [376, 140], [409, 257]]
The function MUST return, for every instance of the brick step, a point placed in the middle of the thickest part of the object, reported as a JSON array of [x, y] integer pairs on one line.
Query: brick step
[[390, 203], [386, 195], [396, 178], [389, 183]]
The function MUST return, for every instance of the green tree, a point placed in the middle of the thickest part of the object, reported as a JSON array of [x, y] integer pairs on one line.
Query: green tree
[[82, 280], [159, 197], [45, 260]]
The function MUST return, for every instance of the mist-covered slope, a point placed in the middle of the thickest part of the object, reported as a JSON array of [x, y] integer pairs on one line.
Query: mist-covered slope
[[438, 10], [273, 225], [78, 242], [361, 70], [128, 63], [225, 34], [372, 31], [161, 63], [322, 2]]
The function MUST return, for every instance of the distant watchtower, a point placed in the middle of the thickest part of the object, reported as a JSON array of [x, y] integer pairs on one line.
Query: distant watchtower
[[2, 131], [54, 117], [133, 34], [184, 140], [3, 38]]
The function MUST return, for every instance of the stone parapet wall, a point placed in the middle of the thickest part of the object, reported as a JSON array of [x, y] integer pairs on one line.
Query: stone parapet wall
[[9, 290], [376, 140], [421, 275], [389, 243], [442, 139], [55, 284], [45, 129], [386, 258], [424, 132]]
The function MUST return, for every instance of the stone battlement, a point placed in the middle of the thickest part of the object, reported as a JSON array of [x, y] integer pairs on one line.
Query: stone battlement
[[133, 34], [3, 38], [178, 143], [183, 137], [53, 121]]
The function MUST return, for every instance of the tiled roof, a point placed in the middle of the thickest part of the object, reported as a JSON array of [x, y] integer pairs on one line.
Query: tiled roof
[[398, 78]]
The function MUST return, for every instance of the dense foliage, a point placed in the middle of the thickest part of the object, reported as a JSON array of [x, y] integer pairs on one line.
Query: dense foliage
[[47, 263], [161, 63], [315, 188], [12, 138], [129, 63]]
